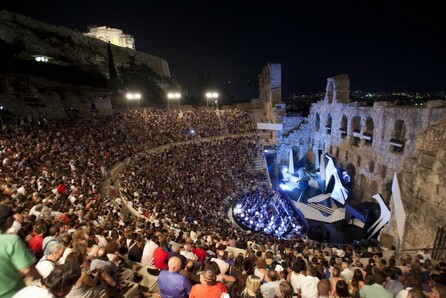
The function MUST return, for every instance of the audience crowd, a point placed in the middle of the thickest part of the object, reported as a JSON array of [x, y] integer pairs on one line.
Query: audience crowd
[[63, 235]]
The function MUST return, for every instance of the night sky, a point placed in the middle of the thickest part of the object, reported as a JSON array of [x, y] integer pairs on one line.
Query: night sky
[[381, 45]]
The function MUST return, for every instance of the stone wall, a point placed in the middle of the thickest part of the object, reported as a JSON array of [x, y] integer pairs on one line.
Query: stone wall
[[423, 186], [372, 143], [367, 142], [34, 98]]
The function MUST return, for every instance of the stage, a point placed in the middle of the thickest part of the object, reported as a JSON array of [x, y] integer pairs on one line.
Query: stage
[[323, 204]]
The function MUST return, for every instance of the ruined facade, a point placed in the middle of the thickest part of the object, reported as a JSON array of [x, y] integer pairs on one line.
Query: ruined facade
[[113, 36], [270, 89], [372, 143], [270, 94]]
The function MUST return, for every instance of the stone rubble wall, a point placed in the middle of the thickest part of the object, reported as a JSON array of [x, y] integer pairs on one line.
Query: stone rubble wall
[[420, 166], [423, 186]]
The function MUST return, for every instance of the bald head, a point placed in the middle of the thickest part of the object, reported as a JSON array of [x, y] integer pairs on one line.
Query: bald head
[[221, 254], [174, 264], [102, 252]]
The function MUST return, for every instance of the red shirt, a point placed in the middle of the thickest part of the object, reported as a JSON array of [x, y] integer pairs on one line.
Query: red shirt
[[35, 244], [62, 189], [203, 291], [160, 258], [201, 254]]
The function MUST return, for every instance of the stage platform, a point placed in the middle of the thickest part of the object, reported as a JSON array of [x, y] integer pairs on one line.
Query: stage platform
[[337, 232]]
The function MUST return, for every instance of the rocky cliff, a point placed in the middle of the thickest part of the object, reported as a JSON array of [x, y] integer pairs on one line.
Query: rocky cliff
[[76, 65]]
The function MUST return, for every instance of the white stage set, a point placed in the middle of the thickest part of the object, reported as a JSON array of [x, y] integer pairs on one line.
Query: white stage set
[[332, 189]]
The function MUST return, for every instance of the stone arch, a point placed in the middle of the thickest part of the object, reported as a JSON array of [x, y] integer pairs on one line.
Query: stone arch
[[362, 188], [373, 187], [399, 134], [356, 124], [368, 132], [317, 122], [310, 160], [351, 170], [329, 123], [296, 155], [356, 130], [344, 126]]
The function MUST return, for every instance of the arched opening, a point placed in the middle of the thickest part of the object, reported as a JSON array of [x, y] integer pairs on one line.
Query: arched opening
[[296, 158], [398, 139], [368, 132], [356, 131], [328, 125], [362, 188], [351, 171], [317, 123], [344, 125]]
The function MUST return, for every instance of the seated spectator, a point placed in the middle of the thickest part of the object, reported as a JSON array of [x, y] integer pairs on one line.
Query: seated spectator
[[160, 256], [309, 284], [271, 288], [187, 253], [424, 253], [392, 283], [171, 283], [175, 252], [47, 263], [189, 272], [252, 288], [57, 284], [357, 282], [109, 270], [149, 248], [50, 240], [285, 289], [88, 284], [341, 290], [438, 291], [209, 286], [36, 242], [377, 289], [17, 224], [411, 281], [324, 288], [222, 279], [221, 261]]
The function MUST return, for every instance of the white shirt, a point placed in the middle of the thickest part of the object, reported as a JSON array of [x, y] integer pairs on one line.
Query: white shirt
[[147, 253], [14, 228], [347, 275], [45, 266], [296, 281], [224, 267], [189, 255], [309, 287], [33, 291]]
